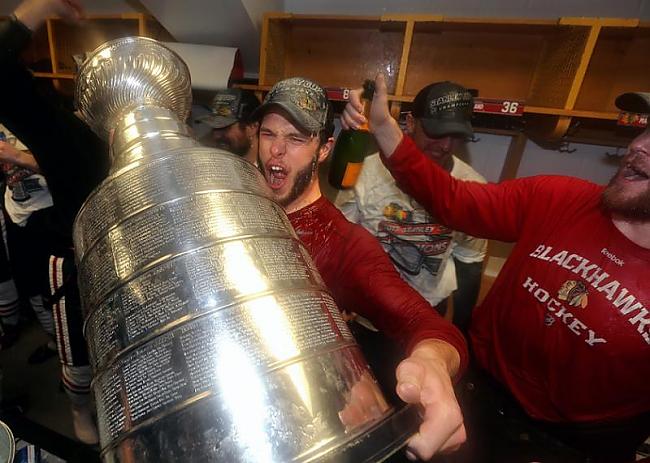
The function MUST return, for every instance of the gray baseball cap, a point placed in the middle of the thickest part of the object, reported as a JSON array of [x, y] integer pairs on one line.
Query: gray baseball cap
[[634, 102], [304, 100], [444, 108], [229, 106]]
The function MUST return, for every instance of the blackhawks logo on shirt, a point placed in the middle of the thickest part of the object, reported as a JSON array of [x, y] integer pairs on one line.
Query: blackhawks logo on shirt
[[574, 293]]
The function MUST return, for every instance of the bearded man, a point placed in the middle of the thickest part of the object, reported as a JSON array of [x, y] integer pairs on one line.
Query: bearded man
[[233, 128], [561, 376], [296, 127]]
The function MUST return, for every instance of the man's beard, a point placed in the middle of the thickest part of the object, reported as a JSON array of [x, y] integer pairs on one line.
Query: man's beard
[[302, 181], [616, 201]]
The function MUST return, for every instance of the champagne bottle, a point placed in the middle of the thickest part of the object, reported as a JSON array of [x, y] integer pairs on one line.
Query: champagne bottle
[[352, 146]]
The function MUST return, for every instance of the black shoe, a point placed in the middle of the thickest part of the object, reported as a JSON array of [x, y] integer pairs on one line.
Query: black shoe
[[41, 354]]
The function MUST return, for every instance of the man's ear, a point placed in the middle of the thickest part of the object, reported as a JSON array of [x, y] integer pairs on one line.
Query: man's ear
[[325, 149], [410, 124]]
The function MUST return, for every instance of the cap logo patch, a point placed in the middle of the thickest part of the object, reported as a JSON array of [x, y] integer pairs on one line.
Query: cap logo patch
[[450, 102]]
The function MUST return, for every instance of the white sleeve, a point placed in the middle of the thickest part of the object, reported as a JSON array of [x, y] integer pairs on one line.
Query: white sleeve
[[469, 249]]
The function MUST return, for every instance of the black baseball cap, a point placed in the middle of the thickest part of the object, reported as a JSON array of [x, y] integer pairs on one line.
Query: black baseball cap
[[634, 102], [229, 106], [444, 108], [304, 100]]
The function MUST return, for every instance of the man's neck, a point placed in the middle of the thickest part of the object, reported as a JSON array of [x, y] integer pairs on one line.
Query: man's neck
[[310, 196], [636, 231]]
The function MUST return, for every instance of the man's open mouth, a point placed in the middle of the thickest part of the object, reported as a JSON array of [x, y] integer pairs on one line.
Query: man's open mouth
[[277, 176], [634, 173]]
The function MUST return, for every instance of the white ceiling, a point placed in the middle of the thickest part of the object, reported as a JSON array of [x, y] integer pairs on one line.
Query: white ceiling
[[227, 23]]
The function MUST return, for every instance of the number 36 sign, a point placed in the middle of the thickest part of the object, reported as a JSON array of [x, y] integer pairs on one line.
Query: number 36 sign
[[503, 107]]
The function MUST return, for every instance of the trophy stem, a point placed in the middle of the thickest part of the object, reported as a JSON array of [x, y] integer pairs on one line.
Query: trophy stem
[[147, 131]]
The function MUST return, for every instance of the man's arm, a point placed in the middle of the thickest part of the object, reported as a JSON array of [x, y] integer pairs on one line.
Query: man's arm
[[32, 13], [437, 350], [27, 18], [386, 130], [495, 211], [71, 157], [11, 155]]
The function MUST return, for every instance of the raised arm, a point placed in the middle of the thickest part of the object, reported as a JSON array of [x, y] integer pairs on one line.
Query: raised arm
[[495, 211], [382, 125], [71, 157], [33, 13]]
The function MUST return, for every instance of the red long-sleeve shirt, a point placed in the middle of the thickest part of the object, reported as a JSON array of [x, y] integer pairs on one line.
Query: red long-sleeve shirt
[[566, 326], [362, 279]]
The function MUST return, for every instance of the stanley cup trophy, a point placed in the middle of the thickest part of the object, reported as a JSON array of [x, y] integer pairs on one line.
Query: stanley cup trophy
[[212, 336]]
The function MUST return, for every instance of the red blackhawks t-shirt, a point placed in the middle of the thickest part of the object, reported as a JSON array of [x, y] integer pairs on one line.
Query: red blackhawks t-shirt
[[566, 325]]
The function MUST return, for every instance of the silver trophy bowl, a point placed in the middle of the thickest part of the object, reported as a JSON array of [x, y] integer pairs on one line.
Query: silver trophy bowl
[[129, 72], [211, 334]]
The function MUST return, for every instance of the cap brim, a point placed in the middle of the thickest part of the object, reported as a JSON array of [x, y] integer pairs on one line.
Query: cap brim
[[216, 122], [305, 122], [443, 127], [634, 102]]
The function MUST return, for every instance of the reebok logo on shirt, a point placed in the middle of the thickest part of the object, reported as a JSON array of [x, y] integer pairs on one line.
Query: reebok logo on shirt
[[612, 257]]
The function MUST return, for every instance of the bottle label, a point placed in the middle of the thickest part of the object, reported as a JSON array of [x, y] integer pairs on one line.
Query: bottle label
[[366, 112], [352, 171]]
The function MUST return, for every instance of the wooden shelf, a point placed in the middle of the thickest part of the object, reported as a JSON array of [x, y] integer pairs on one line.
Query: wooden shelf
[[525, 22], [561, 69], [611, 116], [335, 51], [68, 39], [619, 64], [54, 75], [527, 109], [572, 113], [50, 54], [500, 60]]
